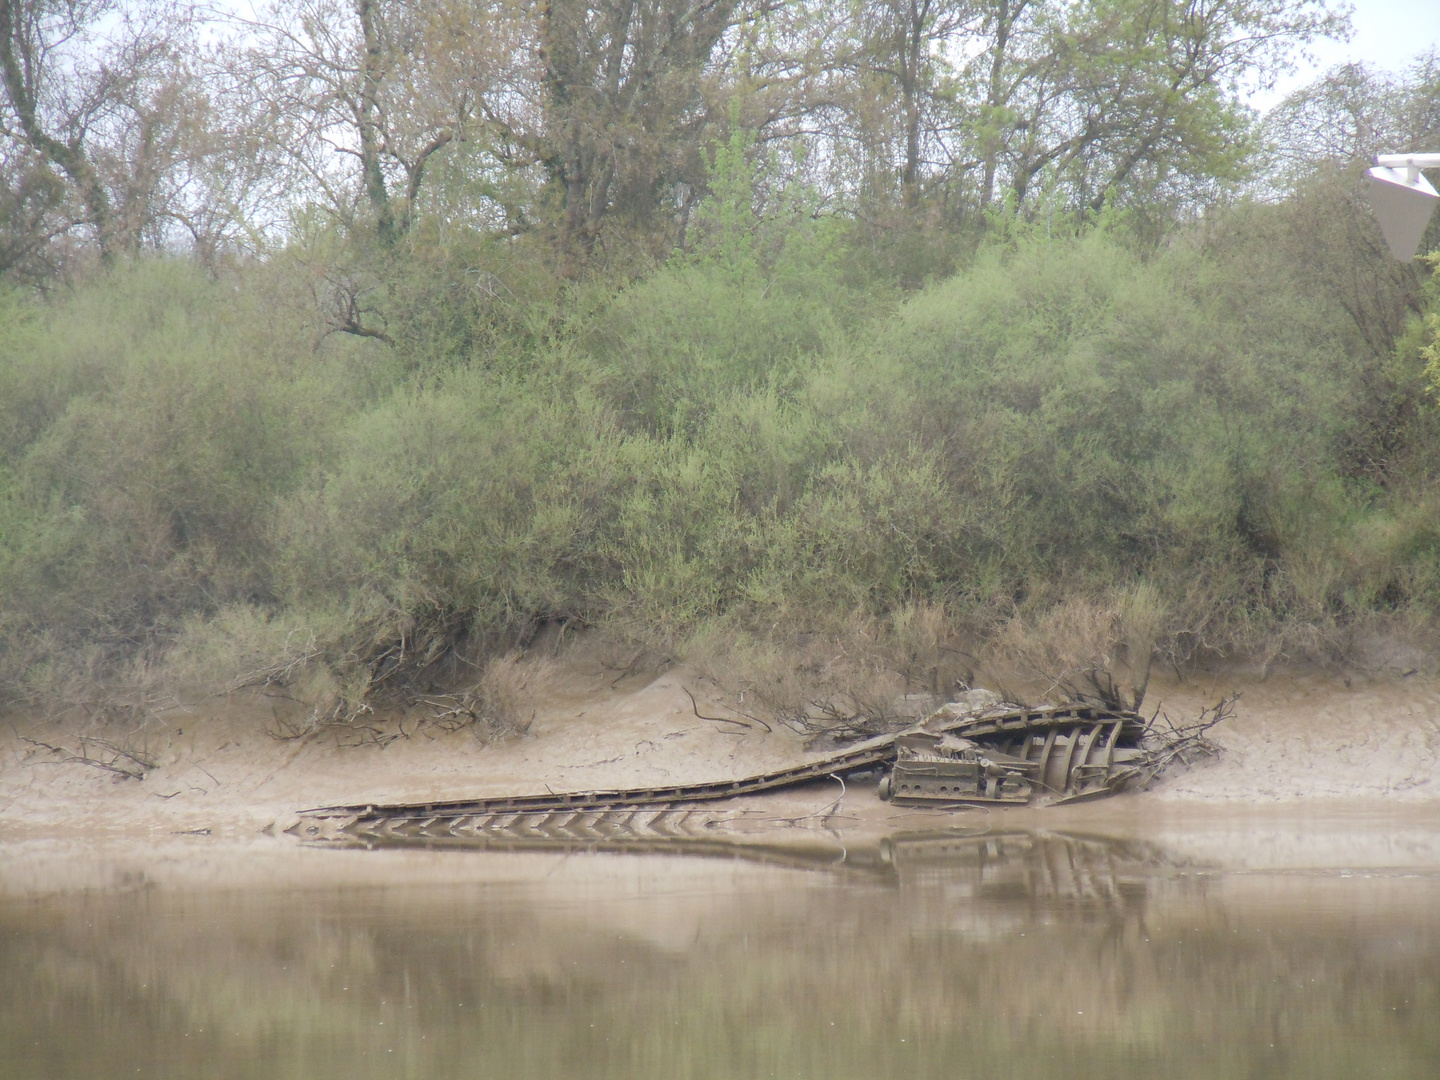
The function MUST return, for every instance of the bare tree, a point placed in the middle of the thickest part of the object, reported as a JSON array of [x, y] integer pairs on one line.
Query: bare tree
[[1353, 112], [364, 94], [109, 134], [904, 48], [53, 97]]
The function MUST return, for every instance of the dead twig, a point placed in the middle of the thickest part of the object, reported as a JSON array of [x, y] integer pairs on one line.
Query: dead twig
[[283, 731], [753, 720], [628, 669], [452, 712], [277, 674], [1183, 743], [341, 715], [118, 754]]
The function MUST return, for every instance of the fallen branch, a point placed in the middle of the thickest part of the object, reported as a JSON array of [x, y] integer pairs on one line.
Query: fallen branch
[[135, 771], [1186, 742], [753, 720]]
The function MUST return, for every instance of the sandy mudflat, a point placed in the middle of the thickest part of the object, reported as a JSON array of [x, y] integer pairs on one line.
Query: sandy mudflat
[[1303, 749]]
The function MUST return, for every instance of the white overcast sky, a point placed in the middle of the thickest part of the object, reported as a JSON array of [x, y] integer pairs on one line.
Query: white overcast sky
[[1389, 34]]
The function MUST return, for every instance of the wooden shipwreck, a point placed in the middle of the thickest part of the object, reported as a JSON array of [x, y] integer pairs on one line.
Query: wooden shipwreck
[[1008, 756], [966, 753]]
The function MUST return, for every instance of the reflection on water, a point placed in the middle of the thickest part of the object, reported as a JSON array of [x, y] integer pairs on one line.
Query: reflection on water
[[997, 954], [1038, 864]]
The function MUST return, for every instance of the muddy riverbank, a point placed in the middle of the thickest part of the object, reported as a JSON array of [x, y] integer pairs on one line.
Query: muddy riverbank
[[1299, 738]]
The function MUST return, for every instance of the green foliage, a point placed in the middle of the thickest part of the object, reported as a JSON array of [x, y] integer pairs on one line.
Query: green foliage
[[1428, 330], [150, 425], [1172, 449], [759, 298]]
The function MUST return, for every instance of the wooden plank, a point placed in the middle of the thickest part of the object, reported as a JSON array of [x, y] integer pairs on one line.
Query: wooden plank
[[1045, 753], [1110, 749], [1090, 743], [1069, 758]]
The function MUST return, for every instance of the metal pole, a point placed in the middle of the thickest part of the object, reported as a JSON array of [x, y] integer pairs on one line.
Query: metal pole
[[1411, 163]]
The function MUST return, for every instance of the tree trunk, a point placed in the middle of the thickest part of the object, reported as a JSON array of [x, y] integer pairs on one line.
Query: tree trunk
[[369, 120], [912, 57], [69, 157], [996, 98]]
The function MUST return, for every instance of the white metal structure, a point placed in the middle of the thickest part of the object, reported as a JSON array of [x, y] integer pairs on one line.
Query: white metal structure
[[1403, 199]]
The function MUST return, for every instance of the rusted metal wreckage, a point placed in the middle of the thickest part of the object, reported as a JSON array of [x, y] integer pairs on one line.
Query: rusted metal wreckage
[[960, 755]]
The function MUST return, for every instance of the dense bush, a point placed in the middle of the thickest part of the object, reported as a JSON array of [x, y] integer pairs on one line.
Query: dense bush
[[1188, 435], [150, 424]]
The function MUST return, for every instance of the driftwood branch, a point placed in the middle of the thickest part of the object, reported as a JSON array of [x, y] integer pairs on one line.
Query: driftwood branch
[[121, 762], [1183, 743], [748, 722]]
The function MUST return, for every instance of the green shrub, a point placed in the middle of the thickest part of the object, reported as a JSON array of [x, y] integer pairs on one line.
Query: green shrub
[[1166, 447], [145, 456]]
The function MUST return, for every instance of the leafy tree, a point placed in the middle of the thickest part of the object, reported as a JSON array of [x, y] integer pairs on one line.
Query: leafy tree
[[32, 201], [1130, 98], [48, 110], [1133, 100]]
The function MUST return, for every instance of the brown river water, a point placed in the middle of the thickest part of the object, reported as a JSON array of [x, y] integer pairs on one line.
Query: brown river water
[[1112, 947]]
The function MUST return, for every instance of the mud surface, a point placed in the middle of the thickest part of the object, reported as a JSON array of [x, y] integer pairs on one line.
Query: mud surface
[[1298, 739]]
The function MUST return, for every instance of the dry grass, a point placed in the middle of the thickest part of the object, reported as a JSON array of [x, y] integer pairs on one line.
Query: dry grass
[[500, 704], [1081, 649], [845, 680]]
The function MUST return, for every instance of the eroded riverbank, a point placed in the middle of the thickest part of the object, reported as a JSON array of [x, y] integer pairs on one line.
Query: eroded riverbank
[[1297, 737]]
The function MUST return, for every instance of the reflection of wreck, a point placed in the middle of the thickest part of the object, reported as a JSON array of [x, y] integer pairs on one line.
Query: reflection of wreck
[[971, 752], [1044, 869], [1050, 869]]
